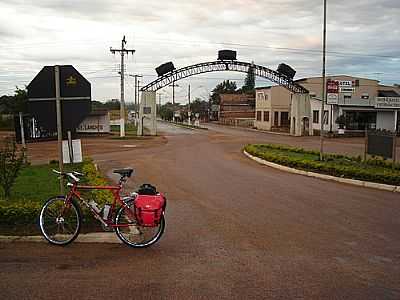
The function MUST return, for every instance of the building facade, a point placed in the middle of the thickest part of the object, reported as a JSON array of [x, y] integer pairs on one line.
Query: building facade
[[272, 108], [355, 104], [96, 122], [237, 109]]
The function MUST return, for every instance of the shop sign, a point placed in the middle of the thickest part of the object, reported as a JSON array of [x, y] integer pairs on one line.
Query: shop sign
[[332, 87], [332, 98], [346, 83], [346, 89], [387, 102]]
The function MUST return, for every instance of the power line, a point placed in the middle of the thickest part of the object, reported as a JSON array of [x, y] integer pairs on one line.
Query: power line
[[242, 45]]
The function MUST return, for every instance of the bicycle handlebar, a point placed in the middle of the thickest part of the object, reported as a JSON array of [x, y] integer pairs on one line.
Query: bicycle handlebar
[[73, 175]]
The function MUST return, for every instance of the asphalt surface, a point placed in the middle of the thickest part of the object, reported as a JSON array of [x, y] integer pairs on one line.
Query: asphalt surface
[[235, 230]]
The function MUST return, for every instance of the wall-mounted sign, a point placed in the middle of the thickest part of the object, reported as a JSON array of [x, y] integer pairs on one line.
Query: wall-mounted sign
[[147, 110], [387, 102], [332, 87], [332, 98], [215, 107], [346, 90], [345, 83], [95, 124]]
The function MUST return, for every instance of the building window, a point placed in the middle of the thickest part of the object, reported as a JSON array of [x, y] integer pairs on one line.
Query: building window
[[315, 116], [266, 116], [347, 97], [266, 97], [260, 96], [326, 117], [258, 115]]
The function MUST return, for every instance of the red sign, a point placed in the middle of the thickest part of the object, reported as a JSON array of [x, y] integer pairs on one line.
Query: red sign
[[332, 87]]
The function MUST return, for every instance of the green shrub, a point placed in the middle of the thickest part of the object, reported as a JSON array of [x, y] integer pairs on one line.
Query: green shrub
[[93, 177], [375, 170], [11, 162], [21, 212]]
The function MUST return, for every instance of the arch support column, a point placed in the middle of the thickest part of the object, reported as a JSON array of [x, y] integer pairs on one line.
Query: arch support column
[[147, 114]]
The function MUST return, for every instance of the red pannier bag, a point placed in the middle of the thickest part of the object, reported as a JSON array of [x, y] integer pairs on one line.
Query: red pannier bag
[[149, 209]]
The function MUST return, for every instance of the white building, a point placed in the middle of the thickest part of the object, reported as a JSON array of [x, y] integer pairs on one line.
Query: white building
[[361, 102], [95, 122]]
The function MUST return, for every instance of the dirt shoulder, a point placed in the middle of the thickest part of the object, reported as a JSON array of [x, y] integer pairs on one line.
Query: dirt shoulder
[[43, 152]]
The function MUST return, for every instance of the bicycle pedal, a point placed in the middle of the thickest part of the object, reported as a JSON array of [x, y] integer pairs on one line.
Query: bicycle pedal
[[107, 228]]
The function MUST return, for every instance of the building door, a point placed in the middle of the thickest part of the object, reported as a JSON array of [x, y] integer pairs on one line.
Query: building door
[[285, 119], [306, 126], [276, 118]]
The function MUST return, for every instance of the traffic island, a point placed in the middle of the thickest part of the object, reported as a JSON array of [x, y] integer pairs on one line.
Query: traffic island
[[374, 173]]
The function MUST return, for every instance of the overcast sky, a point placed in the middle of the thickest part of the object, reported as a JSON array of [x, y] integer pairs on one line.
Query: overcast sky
[[363, 39]]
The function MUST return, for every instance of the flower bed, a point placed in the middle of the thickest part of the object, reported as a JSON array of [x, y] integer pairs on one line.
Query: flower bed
[[374, 170]]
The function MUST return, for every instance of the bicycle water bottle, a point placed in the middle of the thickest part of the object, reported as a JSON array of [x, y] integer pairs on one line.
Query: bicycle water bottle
[[94, 206], [106, 211]]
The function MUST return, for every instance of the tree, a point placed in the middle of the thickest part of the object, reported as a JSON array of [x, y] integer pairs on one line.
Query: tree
[[199, 106], [224, 87], [15, 104], [167, 111], [249, 82], [11, 162]]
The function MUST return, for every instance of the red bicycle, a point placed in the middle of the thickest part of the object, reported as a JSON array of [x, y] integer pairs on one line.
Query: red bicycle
[[138, 219]]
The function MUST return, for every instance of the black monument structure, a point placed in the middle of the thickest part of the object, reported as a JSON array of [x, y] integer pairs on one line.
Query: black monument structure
[[75, 100]]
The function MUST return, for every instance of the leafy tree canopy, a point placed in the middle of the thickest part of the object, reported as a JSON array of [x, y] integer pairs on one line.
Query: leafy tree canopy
[[224, 87], [15, 104], [250, 81]]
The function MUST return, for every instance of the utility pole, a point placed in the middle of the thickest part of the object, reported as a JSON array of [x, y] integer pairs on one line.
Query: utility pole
[[59, 126], [159, 104], [321, 148], [138, 90], [173, 98], [122, 51], [189, 112], [136, 76]]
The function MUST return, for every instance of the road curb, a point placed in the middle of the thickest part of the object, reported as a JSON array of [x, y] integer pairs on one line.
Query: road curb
[[96, 237], [373, 185]]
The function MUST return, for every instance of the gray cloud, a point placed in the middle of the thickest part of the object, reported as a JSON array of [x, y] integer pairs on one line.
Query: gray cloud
[[80, 32]]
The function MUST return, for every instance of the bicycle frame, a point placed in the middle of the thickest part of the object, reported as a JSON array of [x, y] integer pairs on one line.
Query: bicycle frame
[[74, 192]]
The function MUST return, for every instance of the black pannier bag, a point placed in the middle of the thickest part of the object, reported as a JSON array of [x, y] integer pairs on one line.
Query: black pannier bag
[[147, 189]]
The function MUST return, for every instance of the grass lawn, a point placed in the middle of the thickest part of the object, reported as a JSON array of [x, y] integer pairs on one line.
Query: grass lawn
[[130, 129], [36, 184], [375, 170]]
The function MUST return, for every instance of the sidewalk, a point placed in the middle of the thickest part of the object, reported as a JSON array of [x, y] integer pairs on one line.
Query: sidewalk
[[95, 237]]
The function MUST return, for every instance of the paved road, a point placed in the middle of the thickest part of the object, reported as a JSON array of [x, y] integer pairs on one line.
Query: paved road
[[235, 230]]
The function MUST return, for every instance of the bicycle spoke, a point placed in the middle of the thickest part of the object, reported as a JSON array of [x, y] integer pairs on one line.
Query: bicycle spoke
[[59, 224]]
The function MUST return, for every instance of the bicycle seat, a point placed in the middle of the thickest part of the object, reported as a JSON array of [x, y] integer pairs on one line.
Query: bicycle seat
[[124, 172]]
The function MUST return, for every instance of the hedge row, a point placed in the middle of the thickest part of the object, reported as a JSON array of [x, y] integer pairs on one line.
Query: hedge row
[[373, 170], [27, 211]]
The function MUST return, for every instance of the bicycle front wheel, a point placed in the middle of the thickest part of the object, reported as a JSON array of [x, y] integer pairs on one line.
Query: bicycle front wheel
[[60, 222], [131, 233]]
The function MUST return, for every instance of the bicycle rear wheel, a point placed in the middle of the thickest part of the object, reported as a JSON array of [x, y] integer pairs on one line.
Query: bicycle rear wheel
[[60, 222], [134, 235]]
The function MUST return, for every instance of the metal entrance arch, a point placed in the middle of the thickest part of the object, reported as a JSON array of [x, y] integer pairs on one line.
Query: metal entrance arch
[[300, 104], [224, 65]]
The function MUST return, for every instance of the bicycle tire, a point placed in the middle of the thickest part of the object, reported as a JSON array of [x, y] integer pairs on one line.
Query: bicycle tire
[[50, 219], [127, 237]]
